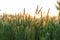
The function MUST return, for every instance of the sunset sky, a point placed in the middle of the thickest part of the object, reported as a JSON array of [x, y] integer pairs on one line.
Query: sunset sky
[[16, 6]]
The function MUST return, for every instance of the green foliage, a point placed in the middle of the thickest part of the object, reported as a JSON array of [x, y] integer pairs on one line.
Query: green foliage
[[28, 29]]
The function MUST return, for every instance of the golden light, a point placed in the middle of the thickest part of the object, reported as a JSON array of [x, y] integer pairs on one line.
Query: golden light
[[16, 6]]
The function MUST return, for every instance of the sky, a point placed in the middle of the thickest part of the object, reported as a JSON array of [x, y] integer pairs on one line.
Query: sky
[[17, 6]]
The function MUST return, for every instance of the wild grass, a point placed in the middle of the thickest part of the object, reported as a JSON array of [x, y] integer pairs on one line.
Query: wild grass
[[25, 27]]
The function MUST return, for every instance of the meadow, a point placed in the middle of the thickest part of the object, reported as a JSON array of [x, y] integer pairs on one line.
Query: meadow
[[26, 27]]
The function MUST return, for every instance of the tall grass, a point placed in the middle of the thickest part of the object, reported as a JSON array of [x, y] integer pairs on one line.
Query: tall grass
[[25, 27]]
